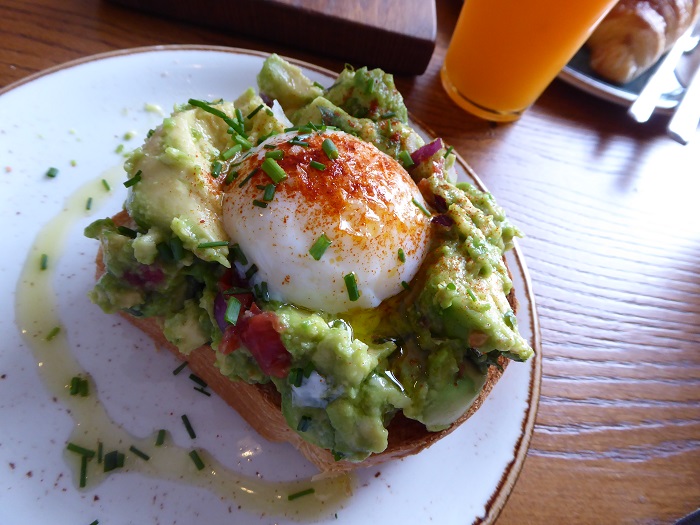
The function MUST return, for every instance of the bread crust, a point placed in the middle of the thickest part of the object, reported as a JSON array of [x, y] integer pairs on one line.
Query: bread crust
[[259, 405], [636, 33]]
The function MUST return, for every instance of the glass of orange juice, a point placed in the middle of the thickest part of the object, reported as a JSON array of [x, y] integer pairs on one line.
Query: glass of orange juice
[[504, 53]]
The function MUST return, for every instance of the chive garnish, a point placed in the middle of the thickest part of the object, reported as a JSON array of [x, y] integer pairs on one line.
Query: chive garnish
[[133, 180], [113, 460], [262, 291], [239, 115], [351, 285], [296, 375], [233, 150], [471, 295], [236, 290], [405, 285], [231, 176], [296, 141], [53, 333], [320, 246], [273, 170], [300, 494], [421, 207], [216, 112], [304, 424], [96, 522], [160, 438], [250, 176], [79, 386], [255, 111], [88, 204], [320, 86], [106, 185], [52, 172], [180, 368], [387, 115], [330, 150], [216, 169], [198, 380], [451, 286], [201, 390], [44, 262], [269, 192], [238, 254], [405, 158], [100, 448], [197, 460], [402, 255], [449, 150], [127, 232], [233, 309], [139, 453], [83, 471], [212, 244], [317, 165], [188, 426], [251, 271], [276, 154], [259, 204], [72, 447]]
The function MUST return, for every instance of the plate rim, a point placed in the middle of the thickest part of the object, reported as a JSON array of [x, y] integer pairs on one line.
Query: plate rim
[[511, 473]]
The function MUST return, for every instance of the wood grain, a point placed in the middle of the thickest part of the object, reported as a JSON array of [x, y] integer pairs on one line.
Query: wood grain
[[611, 214]]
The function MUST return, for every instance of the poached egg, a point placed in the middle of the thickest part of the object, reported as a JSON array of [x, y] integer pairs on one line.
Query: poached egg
[[359, 209]]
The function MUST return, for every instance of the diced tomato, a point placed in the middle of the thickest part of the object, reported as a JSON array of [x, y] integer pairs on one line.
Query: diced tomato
[[259, 332]]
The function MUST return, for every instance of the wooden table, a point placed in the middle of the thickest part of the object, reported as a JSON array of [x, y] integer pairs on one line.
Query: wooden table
[[611, 212]]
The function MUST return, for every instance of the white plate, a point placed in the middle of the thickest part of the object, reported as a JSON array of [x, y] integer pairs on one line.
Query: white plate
[[579, 74], [80, 112]]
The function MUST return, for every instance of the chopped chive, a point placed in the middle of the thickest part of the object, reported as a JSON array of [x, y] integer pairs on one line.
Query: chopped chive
[[106, 185], [44, 262], [88, 204], [320, 246], [216, 169], [212, 244], [471, 295], [269, 192], [160, 437], [74, 386], [96, 522], [449, 150], [197, 460], [405, 285], [387, 115], [139, 453], [216, 112], [255, 111], [296, 375], [198, 380], [300, 494], [127, 232], [233, 150], [451, 286], [351, 285], [402, 255], [276, 154], [113, 460], [233, 309], [238, 254], [53, 333], [296, 141], [201, 390], [83, 472], [180, 368], [405, 158], [250, 176], [72, 447], [133, 180], [259, 204], [236, 290], [243, 142], [230, 176], [239, 115], [317, 165], [369, 86], [304, 424], [270, 146], [273, 170], [421, 207], [320, 86], [251, 271], [52, 172], [79, 387], [330, 149], [100, 449], [292, 128], [188, 426], [264, 291]]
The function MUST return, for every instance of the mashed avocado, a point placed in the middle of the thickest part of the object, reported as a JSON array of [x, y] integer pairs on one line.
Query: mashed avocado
[[424, 352]]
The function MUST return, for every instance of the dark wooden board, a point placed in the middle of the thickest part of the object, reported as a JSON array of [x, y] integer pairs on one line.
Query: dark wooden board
[[396, 35]]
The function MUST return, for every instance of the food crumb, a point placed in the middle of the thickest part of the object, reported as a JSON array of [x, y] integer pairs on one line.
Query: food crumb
[[8, 169]]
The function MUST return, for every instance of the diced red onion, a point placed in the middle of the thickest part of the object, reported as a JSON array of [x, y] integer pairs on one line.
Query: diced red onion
[[425, 152], [220, 311], [440, 203]]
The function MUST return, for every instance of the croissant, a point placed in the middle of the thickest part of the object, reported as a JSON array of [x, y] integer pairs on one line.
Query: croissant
[[636, 33]]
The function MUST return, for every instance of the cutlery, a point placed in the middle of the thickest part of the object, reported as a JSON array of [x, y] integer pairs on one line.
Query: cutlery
[[644, 105]]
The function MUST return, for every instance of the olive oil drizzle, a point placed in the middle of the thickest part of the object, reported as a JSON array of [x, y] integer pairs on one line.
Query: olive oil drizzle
[[37, 317]]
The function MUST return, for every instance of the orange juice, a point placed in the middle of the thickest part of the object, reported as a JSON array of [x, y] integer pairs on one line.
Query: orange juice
[[504, 53]]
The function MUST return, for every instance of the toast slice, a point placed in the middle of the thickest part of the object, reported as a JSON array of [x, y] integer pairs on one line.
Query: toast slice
[[259, 405]]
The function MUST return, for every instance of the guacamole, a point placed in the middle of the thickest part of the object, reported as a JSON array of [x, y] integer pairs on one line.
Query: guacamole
[[342, 377]]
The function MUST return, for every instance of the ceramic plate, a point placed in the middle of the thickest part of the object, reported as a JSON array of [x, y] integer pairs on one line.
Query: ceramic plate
[[80, 118], [579, 74]]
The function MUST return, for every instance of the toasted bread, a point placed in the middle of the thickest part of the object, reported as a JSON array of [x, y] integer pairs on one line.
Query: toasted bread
[[259, 405]]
